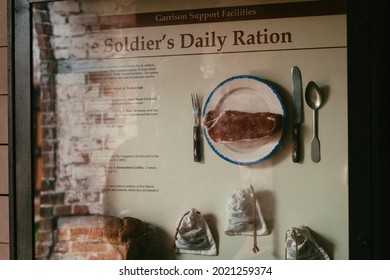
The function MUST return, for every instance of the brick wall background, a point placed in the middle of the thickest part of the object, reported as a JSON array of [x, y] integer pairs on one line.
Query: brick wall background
[[72, 155]]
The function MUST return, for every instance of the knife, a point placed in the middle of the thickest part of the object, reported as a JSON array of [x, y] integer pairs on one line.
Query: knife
[[297, 98]]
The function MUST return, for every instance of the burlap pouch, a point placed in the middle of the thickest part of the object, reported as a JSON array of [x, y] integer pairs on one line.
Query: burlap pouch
[[244, 215], [193, 235], [300, 245]]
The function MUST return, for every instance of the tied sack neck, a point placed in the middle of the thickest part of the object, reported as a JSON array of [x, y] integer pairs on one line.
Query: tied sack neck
[[244, 216]]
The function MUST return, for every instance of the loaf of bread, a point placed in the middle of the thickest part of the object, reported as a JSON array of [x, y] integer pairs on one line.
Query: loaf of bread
[[235, 126]]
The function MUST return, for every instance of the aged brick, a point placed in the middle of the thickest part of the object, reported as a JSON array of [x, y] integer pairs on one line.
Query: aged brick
[[62, 210], [45, 186], [43, 41], [61, 42], [48, 92], [80, 210], [64, 7], [79, 222], [70, 79], [60, 198], [48, 198], [61, 247], [49, 145], [69, 30], [74, 158], [62, 54], [49, 172], [47, 79], [48, 133], [49, 165], [65, 177], [118, 21], [57, 257], [46, 54], [91, 197], [44, 28], [48, 185], [87, 234], [86, 158], [87, 171], [46, 224], [96, 208], [46, 211], [41, 15], [48, 119], [64, 184], [80, 42], [48, 156], [85, 19], [48, 66], [63, 235], [76, 232], [41, 251], [119, 254], [72, 197], [40, 6], [56, 18], [102, 7], [87, 247], [44, 236], [48, 106], [79, 53], [96, 234]]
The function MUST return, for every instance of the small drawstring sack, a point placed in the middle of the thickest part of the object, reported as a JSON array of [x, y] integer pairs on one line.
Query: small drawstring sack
[[300, 245], [244, 215], [193, 235]]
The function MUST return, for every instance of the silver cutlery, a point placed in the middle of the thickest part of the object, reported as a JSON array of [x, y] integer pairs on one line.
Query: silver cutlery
[[196, 130], [313, 98], [297, 116]]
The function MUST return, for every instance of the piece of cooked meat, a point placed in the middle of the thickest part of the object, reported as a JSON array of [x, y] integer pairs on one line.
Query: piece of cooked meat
[[233, 126]]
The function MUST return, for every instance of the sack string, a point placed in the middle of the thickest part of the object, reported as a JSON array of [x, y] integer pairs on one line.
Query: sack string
[[177, 229], [255, 247]]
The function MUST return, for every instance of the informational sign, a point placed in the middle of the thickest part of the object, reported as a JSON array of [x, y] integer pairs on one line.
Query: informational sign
[[124, 121]]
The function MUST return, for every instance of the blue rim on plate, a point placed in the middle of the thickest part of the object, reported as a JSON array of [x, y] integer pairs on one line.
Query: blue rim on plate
[[277, 142]]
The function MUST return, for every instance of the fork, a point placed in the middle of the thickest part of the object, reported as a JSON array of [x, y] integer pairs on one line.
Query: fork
[[196, 129]]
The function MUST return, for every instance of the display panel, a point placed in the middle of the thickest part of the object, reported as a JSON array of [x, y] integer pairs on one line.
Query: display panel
[[113, 84]]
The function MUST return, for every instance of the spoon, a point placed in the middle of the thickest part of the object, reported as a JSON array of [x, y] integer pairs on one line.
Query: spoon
[[314, 99]]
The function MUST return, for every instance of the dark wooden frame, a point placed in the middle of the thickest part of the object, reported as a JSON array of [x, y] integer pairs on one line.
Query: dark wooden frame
[[368, 102]]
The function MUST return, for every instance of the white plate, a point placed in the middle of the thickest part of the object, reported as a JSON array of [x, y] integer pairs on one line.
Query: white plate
[[248, 94]]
